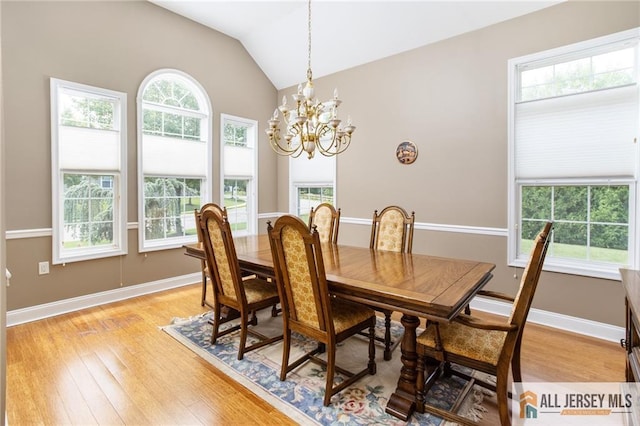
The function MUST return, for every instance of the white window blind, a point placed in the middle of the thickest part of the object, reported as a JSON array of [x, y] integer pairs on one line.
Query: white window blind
[[166, 156], [587, 134], [239, 161], [317, 169], [81, 148]]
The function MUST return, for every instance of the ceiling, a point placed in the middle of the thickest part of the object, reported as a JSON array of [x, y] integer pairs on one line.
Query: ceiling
[[344, 34]]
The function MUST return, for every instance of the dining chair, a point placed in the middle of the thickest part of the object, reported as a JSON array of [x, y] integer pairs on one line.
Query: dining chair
[[327, 220], [391, 230], [309, 309], [485, 345], [244, 294], [203, 263]]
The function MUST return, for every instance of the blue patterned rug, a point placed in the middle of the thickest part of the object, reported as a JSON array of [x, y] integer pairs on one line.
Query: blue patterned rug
[[300, 396]]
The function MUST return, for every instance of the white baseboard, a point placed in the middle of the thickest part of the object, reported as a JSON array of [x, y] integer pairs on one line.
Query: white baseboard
[[551, 319], [564, 322], [34, 313]]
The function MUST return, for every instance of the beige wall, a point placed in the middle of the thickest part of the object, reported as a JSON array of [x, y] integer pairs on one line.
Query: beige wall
[[450, 98], [113, 45], [3, 260]]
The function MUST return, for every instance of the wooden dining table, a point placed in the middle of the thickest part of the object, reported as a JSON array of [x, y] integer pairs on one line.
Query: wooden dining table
[[418, 286]]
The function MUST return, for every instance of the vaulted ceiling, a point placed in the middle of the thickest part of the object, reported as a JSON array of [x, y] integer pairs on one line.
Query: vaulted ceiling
[[344, 34]]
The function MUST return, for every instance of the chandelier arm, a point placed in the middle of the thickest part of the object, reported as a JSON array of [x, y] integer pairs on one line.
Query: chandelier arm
[[280, 150]]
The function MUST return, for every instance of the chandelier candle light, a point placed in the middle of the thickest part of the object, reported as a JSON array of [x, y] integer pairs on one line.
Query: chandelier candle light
[[311, 125]]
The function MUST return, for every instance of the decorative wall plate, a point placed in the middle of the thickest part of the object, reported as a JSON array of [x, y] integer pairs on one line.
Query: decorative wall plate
[[407, 152]]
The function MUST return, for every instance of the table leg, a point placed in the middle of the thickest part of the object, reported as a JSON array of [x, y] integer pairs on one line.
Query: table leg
[[402, 402]]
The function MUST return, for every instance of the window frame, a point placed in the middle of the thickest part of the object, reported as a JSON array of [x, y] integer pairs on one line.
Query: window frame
[[252, 178], [206, 186], [119, 246], [556, 264]]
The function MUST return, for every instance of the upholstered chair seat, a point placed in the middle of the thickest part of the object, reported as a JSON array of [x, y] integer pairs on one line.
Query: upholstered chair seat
[[474, 343]]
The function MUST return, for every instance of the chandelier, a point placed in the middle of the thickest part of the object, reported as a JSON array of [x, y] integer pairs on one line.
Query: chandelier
[[311, 125]]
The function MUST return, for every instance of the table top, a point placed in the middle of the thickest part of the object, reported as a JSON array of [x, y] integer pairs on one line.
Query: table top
[[415, 284]]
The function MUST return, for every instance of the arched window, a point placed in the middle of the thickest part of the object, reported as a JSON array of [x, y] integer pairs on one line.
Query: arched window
[[174, 158]]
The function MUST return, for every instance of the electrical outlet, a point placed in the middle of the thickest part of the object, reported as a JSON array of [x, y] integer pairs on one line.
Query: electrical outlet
[[43, 268]]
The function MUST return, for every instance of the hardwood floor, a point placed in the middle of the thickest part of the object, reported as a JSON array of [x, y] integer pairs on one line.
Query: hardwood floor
[[112, 365]]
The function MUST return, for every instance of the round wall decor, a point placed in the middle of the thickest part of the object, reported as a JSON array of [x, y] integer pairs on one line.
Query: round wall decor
[[407, 152]]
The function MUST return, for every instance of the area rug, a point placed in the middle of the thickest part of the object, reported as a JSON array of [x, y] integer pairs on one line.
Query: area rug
[[301, 395]]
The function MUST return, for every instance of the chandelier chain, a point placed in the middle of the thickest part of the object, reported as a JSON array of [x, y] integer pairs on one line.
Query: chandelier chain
[[309, 39]]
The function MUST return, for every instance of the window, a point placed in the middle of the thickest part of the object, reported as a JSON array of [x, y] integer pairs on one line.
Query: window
[[88, 153], [574, 121], [174, 158], [312, 196], [239, 172], [312, 183]]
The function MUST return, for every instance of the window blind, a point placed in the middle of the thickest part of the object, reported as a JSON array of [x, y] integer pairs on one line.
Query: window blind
[[315, 170], [165, 156], [588, 134]]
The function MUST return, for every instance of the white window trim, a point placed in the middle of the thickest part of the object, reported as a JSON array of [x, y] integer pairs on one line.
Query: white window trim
[[207, 187], [57, 185], [252, 143], [593, 269]]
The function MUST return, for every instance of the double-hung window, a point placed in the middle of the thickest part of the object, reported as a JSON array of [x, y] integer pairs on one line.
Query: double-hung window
[[573, 154], [88, 165], [239, 171], [312, 182], [174, 158]]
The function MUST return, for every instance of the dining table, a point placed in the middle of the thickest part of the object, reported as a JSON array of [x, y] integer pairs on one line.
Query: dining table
[[419, 286]]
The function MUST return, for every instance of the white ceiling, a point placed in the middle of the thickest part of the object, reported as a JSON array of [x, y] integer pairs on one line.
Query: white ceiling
[[344, 34]]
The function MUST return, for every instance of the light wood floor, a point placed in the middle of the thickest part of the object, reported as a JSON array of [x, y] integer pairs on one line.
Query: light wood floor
[[112, 365]]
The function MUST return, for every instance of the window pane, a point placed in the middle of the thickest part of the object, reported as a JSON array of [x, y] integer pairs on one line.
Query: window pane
[[570, 240], [606, 70], [169, 205], [82, 111], [536, 202], [610, 243], [235, 200], [235, 134], [570, 203], [152, 122], [610, 204], [88, 211], [312, 197]]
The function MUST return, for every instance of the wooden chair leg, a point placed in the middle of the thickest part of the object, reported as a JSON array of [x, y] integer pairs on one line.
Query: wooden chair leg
[[372, 349], [503, 400], [420, 383], [331, 363], [244, 324], [216, 323], [515, 362], [286, 349], [204, 288]]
